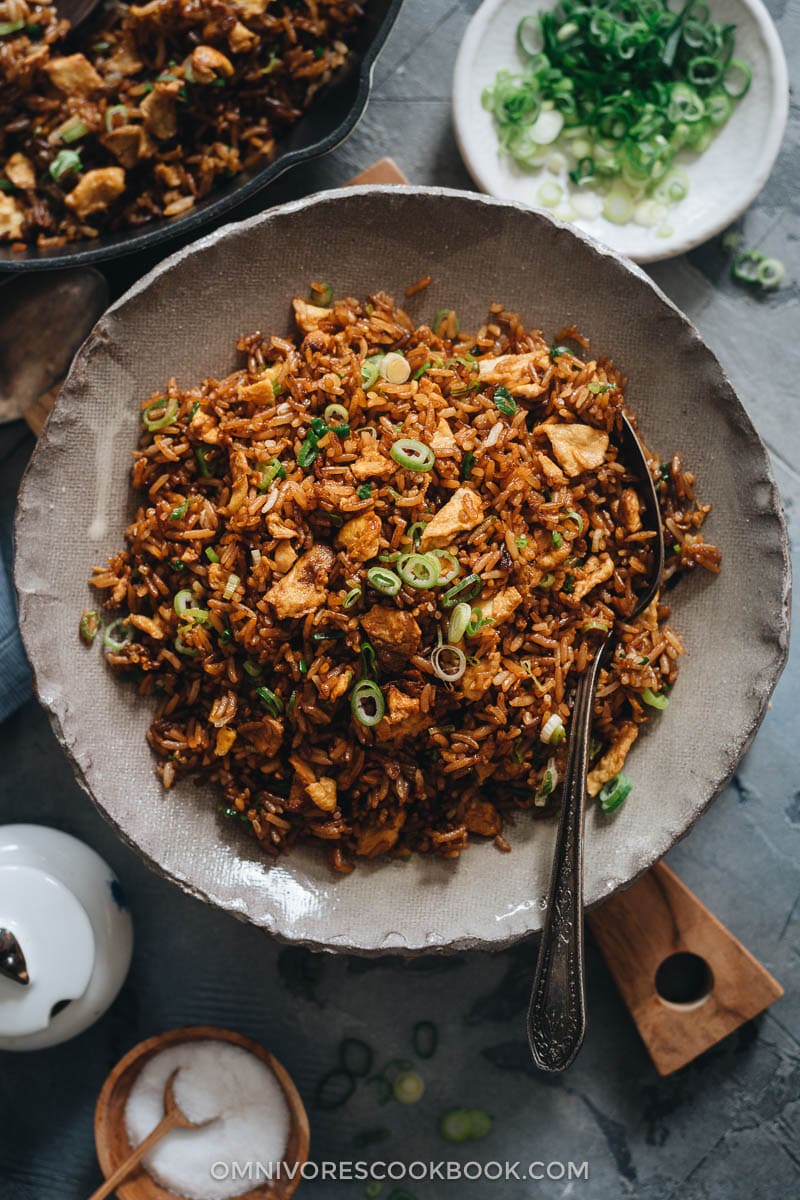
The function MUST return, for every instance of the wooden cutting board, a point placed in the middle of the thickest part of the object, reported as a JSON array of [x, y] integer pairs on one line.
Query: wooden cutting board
[[687, 981]]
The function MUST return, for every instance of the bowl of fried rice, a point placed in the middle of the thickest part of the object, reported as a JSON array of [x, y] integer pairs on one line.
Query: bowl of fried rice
[[337, 533]]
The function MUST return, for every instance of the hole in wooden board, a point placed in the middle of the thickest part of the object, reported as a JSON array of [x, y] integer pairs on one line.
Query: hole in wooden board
[[684, 980]]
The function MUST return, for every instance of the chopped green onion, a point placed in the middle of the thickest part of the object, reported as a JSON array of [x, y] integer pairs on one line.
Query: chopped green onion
[[327, 635], [183, 599], [269, 472], [384, 581], [117, 110], [336, 414], [421, 371], [598, 389], [466, 589], [72, 130], [409, 1087], [449, 662], [334, 1089], [413, 455], [8, 27], [211, 554], [253, 669], [168, 410], [548, 784], [231, 586], [654, 699], [441, 316], [504, 401], [367, 703], [547, 580], [365, 491], [355, 1056], [459, 620], [111, 638], [66, 162], [367, 660], [308, 451], [425, 1038], [89, 626], [477, 621], [302, 666], [321, 294], [770, 272], [352, 597], [201, 455], [272, 702], [467, 464], [612, 794], [449, 566], [465, 1125], [180, 511], [415, 532], [594, 624], [571, 515], [521, 542], [182, 648], [371, 371], [556, 539], [553, 732], [420, 571]]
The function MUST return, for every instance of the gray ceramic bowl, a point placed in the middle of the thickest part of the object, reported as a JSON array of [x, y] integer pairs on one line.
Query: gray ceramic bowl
[[183, 320]]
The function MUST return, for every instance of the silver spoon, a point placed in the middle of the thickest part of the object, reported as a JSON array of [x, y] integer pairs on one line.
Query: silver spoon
[[557, 1014]]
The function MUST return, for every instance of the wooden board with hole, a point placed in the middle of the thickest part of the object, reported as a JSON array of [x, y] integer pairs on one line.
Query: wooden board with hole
[[657, 918]]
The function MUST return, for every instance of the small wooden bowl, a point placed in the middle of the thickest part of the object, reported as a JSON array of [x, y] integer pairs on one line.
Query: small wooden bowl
[[111, 1139]]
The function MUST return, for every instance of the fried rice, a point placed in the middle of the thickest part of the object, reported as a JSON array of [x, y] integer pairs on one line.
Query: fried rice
[[147, 108], [368, 567]]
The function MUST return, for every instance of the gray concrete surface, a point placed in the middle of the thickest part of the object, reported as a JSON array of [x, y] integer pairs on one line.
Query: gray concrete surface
[[725, 1128]]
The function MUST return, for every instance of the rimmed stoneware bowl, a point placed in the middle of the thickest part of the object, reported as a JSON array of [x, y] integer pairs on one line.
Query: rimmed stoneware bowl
[[183, 319], [111, 1138]]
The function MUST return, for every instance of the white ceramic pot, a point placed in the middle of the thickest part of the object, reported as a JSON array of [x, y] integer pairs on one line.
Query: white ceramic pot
[[67, 937]]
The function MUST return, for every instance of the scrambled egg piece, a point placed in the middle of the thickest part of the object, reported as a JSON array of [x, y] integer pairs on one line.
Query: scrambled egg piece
[[443, 440], [73, 75], [612, 761], [551, 471], [160, 111], [361, 536], [305, 587], [478, 678], [19, 170], [599, 570], [483, 818], [12, 218], [629, 510], [323, 793], [577, 447], [128, 144], [371, 461], [500, 607], [308, 316], [395, 635], [95, 190], [517, 372], [404, 717], [462, 511]]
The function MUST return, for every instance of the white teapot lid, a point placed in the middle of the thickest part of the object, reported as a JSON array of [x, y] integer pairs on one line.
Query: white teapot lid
[[56, 939]]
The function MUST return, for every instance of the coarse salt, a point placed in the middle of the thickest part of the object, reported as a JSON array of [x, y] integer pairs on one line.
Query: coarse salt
[[219, 1080]]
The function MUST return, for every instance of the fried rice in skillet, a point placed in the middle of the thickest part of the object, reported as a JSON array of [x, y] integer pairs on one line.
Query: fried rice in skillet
[[368, 566]]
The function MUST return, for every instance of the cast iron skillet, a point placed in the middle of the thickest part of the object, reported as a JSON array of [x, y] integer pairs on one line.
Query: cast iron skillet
[[331, 118]]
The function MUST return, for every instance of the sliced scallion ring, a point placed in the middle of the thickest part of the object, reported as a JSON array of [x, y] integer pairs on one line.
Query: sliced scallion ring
[[449, 662], [654, 699], [571, 515], [770, 272], [466, 589], [420, 571], [352, 597], [271, 701], [159, 413], [336, 414], [413, 455], [459, 620], [613, 793], [371, 371], [449, 566], [112, 639], [384, 581], [409, 1087], [367, 703]]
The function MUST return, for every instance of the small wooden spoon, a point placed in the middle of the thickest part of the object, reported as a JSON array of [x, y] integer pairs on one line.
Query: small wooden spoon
[[174, 1118]]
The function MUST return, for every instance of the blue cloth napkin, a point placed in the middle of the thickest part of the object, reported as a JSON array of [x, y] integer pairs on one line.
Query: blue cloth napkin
[[15, 677]]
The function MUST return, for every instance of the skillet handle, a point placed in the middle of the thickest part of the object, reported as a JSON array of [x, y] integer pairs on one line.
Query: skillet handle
[[557, 1014]]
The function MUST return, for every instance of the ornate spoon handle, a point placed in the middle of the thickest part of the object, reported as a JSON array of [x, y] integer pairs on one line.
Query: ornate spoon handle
[[557, 1014]]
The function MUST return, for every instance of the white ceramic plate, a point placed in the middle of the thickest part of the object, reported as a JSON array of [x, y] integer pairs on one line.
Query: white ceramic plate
[[723, 180]]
